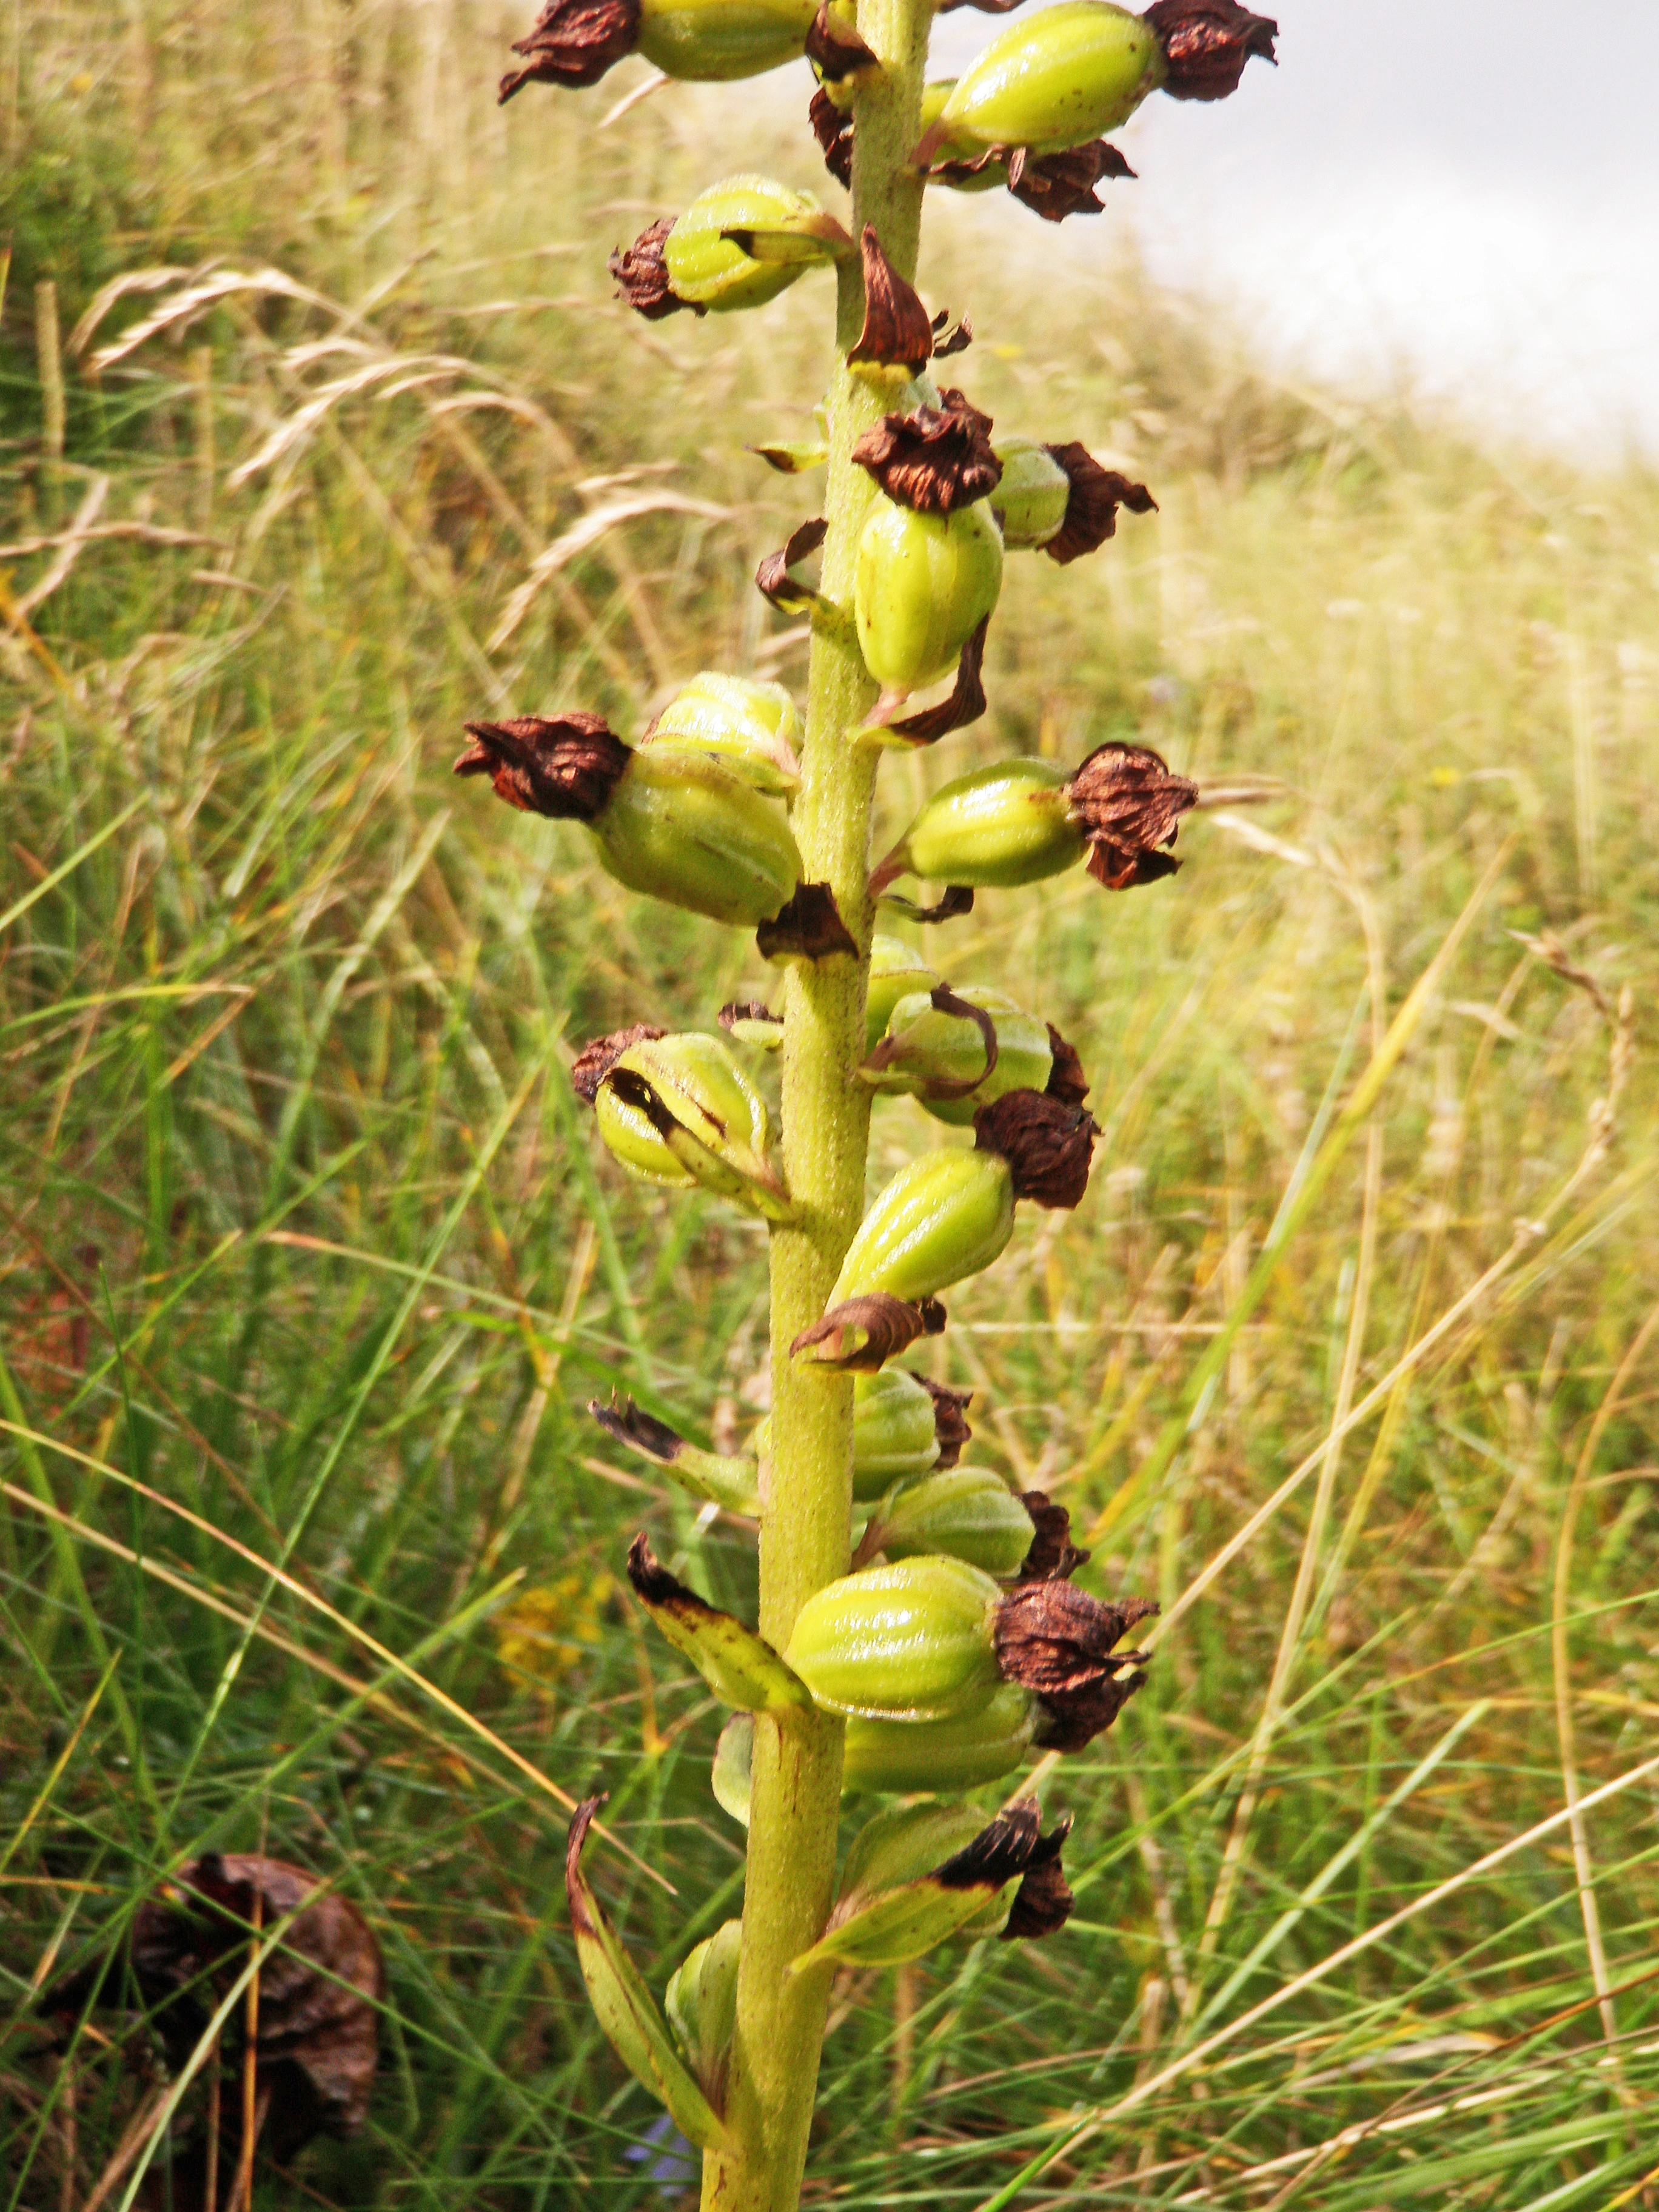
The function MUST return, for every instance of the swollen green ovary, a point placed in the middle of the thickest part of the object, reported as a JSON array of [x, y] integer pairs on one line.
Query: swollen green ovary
[[716, 40], [945, 1217]]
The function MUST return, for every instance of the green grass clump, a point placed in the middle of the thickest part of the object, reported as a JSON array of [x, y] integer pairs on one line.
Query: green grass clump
[[308, 1261]]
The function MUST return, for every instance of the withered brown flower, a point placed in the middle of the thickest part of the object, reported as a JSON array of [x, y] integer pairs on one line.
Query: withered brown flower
[[951, 1427], [641, 273], [1066, 1080], [1052, 1556], [1207, 43], [934, 459], [575, 42], [1043, 1902], [1130, 805], [833, 128], [1091, 508], [897, 332], [564, 766], [1058, 1642], [600, 1055], [807, 926], [1055, 186], [834, 48], [1047, 1144], [861, 1335]]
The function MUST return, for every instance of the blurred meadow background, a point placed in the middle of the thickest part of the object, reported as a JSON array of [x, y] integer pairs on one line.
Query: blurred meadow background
[[321, 432]]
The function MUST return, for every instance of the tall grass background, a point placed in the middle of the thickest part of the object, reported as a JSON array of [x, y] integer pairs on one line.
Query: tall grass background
[[328, 434]]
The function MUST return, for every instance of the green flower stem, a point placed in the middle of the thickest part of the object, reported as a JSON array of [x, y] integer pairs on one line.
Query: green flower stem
[[795, 1797]]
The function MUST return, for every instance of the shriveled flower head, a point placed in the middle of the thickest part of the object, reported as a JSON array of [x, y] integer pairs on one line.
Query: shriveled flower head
[[641, 274], [1207, 43], [575, 42], [1059, 1643], [933, 460], [1129, 805], [564, 766], [1047, 1144]]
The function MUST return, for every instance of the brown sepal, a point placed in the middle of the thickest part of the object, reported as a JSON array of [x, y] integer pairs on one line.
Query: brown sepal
[[746, 1010], [861, 1335], [1043, 1902], [834, 48], [575, 42], [1207, 43], [1058, 1642], [1130, 804], [1001, 1850], [772, 577], [564, 766], [1075, 1719], [965, 704], [1091, 509], [934, 459], [948, 337], [642, 1431], [944, 1000], [808, 926], [897, 332], [950, 1422], [957, 900], [600, 1055], [641, 273], [834, 132], [1055, 186], [1047, 1144], [1066, 1080], [1053, 1558]]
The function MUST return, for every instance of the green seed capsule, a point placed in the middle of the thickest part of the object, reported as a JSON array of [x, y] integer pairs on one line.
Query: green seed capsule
[[1008, 823], [957, 1753], [967, 1514], [1055, 79], [1033, 495], [750, 729], [895, 1432], [945, 1216], [681, 827], [708, 270], [933, 1049], [701, 2004], [723, 38], [706, 1092], [896, 971], [922, 585], [907, 1642]]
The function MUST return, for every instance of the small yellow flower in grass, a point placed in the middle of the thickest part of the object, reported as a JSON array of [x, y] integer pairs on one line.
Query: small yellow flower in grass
[[550, 1628]]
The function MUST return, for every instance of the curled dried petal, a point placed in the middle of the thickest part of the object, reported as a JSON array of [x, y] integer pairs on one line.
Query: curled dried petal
[[950, 1422], [564, 766], [934, 459], [965, 703], [1052, 1556], [808, 926], [999, 1851], [772, 577], [859, 1335], [739, 1012], [1091, 509], [1130, 804], [956, 900], [575, 42], [897, 332], [641, 273], [1207, 43], [949, 338], [640, 1431], [1055, 186], [600, 1055], [1066, 1080], [1047, 1144], [834, 48]]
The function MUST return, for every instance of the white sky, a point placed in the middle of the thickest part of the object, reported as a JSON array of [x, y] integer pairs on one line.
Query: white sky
[[1466, 191]]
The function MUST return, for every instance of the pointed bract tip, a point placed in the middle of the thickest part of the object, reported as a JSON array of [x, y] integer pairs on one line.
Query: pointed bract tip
[[1207, 43], [563, 766], [1047, 1144], [1066, 1080], [640, 1430], [575, 42], [898, 332]]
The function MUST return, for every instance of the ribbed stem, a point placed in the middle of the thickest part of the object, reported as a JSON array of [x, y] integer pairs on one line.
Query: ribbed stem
[[795, 1798]]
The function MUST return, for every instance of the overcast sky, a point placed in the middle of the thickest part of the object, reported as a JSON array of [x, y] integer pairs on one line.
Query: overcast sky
[[1469, 188]]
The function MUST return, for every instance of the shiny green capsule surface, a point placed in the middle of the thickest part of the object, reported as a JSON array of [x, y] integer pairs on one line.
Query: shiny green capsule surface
[[897, 971], [1000, 825], [683, 828], [958, 1753], [943, 1217], [1032, 497], [967, 1513], [708, 270], [911, 1641], [723, 38], [707, 1091], [894, 1433], [1054, 79], [922, 584], [752, 728]]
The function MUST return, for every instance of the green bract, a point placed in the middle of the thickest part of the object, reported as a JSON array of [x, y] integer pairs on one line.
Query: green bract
[[706, 269], [924, 584], [1053, 79], [968, 1513], [911, 1641], [945, 1215], [701, 2004], [752, 728], [957, 1753], [1008, 823], [1031, 500], [723, 38], [683, 828]]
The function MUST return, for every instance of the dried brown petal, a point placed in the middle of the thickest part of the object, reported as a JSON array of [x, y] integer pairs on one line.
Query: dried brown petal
[[772, 577], [1058, 1642], [564, 766], [640, 1430], [1071, 1720], [1130, 805], [1043, 1902], [1001, 1850], [808, 926], [641, 273], [1059, 184], [896, 333], [834, 48], [575, 42], [834, 132], [1047, 1144], [746, 1010], [1053, 1558], [860, 1335], [965, 704], [949, 338], [1066, 1080], [1207, 43], [950, 1422], [934, 459], [1091, 510], [600, 1055], [956, 900], [985, 7], [895, 1049]]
